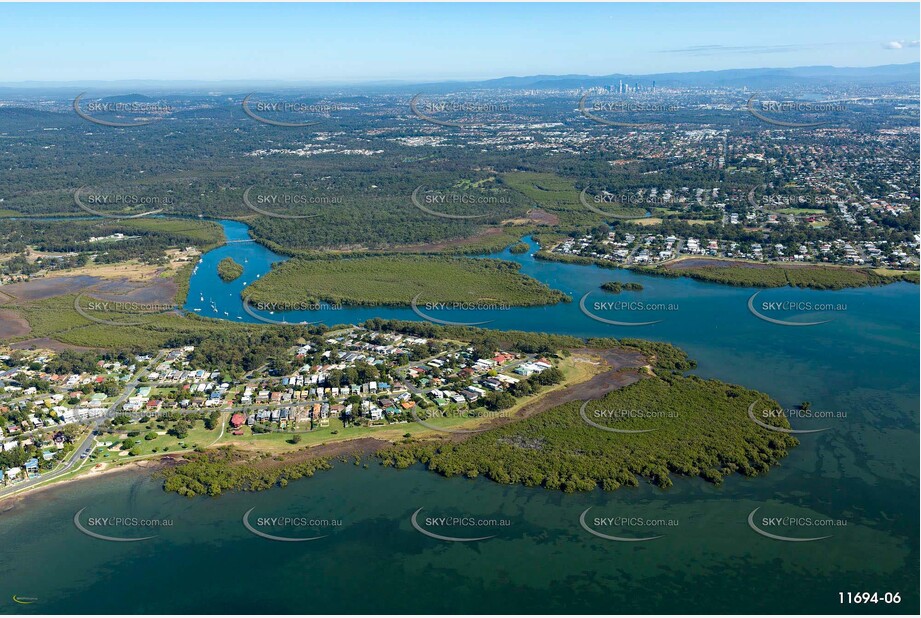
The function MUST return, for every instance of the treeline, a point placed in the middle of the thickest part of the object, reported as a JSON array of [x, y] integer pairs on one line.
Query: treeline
[[210, 473], [482, 339], [813, 277], [146, 239], [664, 358], [71, 361], [245, 349]]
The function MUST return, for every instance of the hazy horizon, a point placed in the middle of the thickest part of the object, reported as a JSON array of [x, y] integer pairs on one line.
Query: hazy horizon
[[413, 43]]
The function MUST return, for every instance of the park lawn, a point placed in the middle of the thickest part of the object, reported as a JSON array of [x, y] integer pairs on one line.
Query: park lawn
[[911, 276], [198, 436], [278, 441]]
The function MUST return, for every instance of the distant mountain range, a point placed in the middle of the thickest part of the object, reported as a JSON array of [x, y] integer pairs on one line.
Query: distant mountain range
[[906, 73], [751, 78]]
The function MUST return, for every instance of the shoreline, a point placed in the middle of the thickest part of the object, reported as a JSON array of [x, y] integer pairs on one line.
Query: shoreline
[[609, 379], [152, 465], [675, 269], [329, 450]]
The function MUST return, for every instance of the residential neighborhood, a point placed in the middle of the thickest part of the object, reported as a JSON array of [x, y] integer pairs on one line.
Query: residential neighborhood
[[143, 405]]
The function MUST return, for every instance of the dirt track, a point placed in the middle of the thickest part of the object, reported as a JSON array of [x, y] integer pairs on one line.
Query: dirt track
[[624, 368]]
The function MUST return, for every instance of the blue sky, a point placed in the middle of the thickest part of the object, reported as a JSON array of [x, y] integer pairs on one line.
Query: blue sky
[[360, 42]]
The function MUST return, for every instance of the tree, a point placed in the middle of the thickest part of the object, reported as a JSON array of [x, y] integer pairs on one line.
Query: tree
[[498, 401], [295, 439], [180, 429]]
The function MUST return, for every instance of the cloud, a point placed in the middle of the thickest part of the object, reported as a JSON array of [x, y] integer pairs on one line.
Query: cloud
[[901, 44], [713, 50]]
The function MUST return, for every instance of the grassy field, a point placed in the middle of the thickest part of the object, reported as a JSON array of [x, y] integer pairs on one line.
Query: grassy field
[[205, 234], [801, 211], [559, 196], [397, 280], [56, 318], [164, 443]]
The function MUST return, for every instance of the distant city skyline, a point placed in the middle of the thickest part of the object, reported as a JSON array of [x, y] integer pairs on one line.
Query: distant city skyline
[[329, 43]]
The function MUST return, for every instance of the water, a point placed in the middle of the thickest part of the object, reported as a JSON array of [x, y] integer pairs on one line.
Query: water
[[864, 470]]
